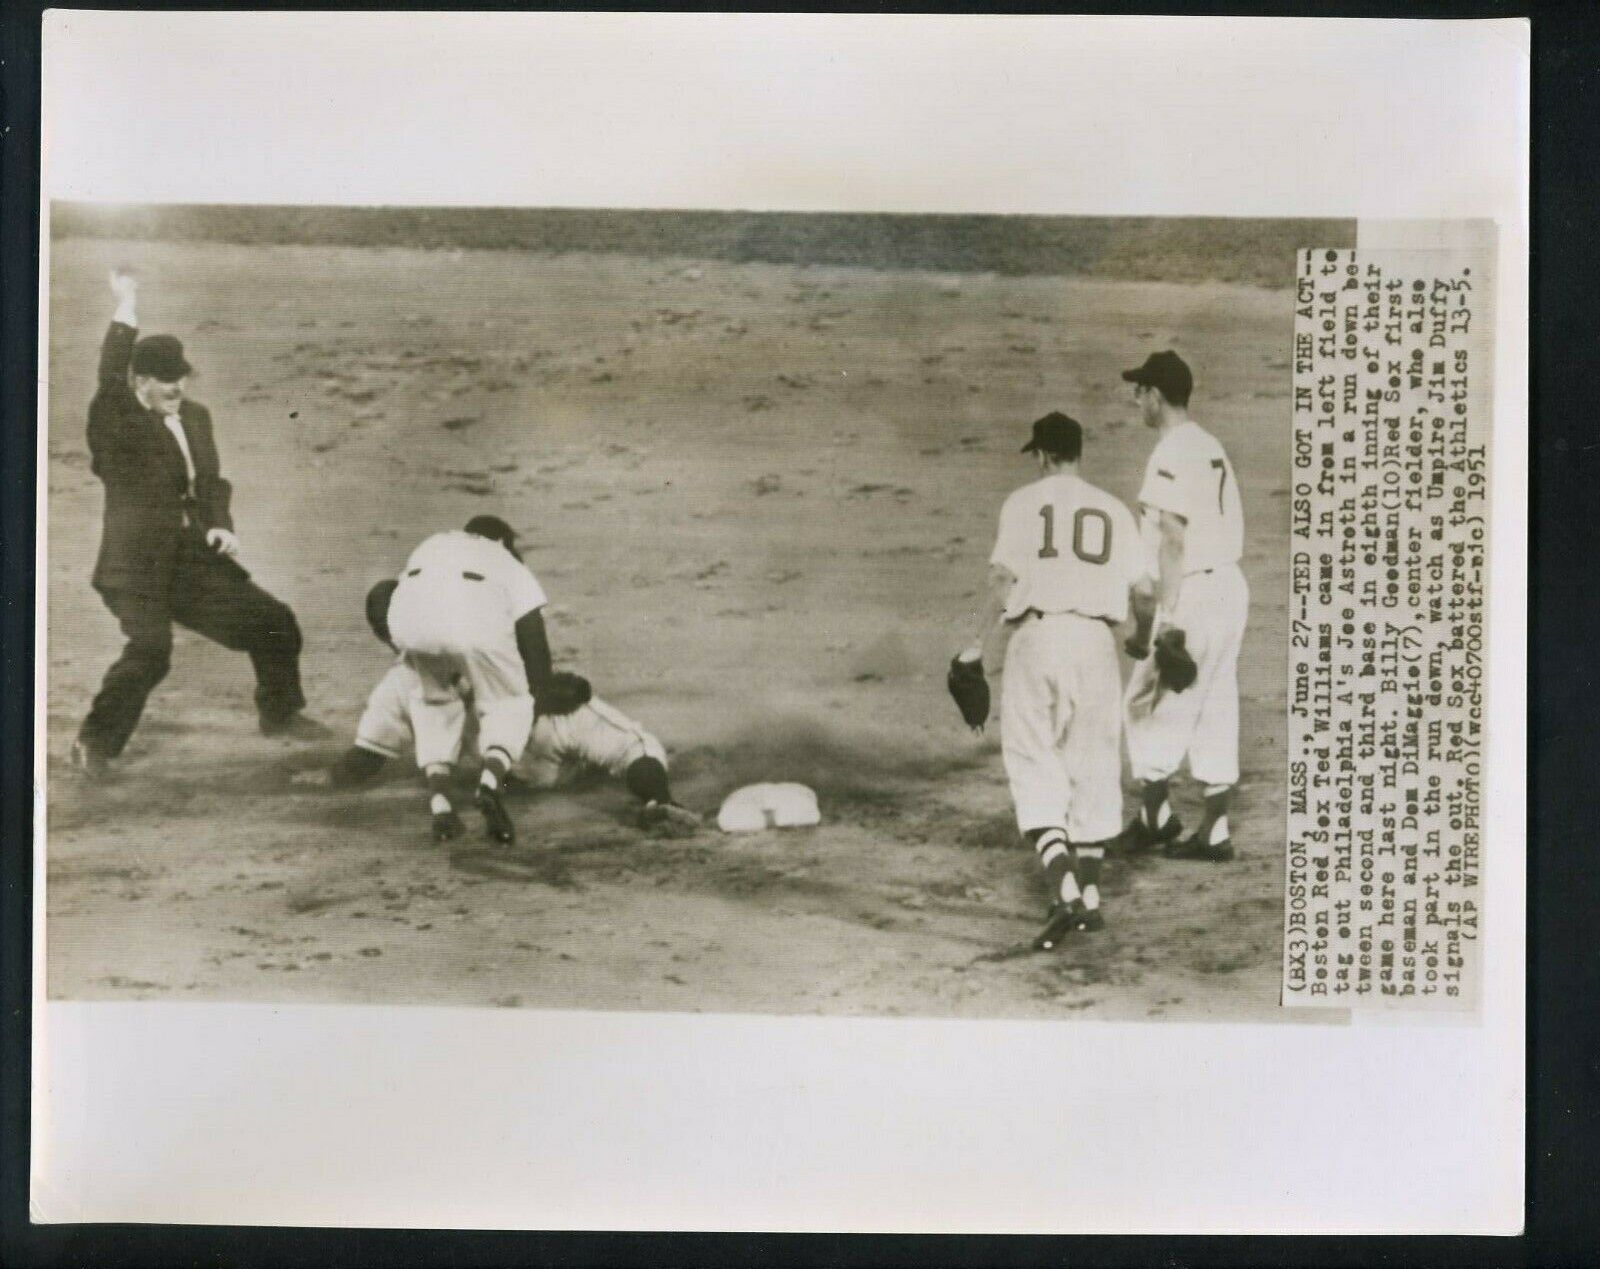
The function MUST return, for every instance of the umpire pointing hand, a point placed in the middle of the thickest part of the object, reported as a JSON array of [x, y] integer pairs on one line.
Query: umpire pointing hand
[[167, 550]]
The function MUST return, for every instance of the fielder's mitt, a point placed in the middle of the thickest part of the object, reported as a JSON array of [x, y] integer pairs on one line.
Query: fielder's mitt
[[969, 687], [1175, 668], [564, 693]]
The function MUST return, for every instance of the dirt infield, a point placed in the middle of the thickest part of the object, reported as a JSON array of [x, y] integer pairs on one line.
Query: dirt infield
[[761, 498]]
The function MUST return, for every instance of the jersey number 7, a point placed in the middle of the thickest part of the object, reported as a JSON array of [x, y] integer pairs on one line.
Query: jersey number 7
[[1222, 479], [1087, 523]]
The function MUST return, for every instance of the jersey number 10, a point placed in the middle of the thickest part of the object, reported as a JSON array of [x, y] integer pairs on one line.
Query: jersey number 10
[[1091, 534]]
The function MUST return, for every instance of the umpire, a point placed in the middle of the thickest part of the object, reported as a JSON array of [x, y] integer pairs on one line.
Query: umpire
[[167, 551]]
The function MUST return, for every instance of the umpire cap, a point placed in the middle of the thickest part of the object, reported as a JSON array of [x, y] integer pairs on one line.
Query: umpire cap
[[160, 357], [496, 530]]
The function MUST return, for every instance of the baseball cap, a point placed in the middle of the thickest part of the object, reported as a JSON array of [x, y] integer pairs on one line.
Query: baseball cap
[[160, 357], [378, 608], [496, 530], [1056, 435], [1168, 373]]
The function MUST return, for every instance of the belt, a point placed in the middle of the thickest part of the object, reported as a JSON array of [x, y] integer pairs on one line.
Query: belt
[[1029, 614]]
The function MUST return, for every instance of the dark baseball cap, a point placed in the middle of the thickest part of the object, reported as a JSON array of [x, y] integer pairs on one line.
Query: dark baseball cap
[[378, 608], [1056, 435], [496, 530], [1168, 373], [160, 357]]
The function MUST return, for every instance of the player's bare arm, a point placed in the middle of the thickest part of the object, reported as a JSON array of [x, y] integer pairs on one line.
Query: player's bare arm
[[533, 643], [1169, 559], [992, 634], [1142, 606]]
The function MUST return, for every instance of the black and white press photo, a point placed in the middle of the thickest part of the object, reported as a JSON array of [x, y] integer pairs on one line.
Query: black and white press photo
[[744, 474], [969, 561]]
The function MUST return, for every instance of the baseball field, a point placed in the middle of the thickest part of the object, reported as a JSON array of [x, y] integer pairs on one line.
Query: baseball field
[[761, 497]]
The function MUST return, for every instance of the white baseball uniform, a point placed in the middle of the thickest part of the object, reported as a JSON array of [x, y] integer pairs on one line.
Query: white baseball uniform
[[594, 735], [1075, 553], [396, 718], [454, 615], [1189, 475]]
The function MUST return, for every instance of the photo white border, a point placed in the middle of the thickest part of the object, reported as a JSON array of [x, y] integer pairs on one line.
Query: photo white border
[[513, 1119]]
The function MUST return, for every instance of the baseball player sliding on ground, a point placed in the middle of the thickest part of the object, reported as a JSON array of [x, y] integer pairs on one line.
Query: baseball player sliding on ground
[[1065, 559], [1194, 524], [571, 729]]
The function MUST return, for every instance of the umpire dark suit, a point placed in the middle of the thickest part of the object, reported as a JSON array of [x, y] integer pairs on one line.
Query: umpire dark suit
[[155, 565]]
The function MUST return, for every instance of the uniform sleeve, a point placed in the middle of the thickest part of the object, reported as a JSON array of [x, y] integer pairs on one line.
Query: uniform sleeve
[[1010, 550], [1168, 482], [522, 590]]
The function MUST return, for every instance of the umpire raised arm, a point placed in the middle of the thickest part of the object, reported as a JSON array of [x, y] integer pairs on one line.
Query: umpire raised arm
[[168, 550]]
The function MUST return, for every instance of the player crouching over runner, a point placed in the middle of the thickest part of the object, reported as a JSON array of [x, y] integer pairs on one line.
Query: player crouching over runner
[[572, 728]]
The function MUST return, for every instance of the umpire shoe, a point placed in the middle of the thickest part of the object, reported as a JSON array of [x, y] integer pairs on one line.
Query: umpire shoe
[[88, 763], [1065, 918], [447, 826], [1197, 847], [294, 727], [495, 820]]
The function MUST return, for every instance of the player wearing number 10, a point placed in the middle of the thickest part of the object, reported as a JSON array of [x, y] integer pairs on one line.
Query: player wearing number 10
[[1066, 556]]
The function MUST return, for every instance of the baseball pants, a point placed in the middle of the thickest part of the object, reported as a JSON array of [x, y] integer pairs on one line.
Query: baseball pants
[[448, 629], [1201, 724], [593, 735], [1061, 726], [397, 720]]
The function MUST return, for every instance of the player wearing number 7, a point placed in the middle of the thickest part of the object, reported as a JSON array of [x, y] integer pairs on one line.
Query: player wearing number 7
[[1194, 525], [1065, 559]]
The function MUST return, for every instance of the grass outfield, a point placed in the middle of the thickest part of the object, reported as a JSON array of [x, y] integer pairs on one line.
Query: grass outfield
[[1164, 249]]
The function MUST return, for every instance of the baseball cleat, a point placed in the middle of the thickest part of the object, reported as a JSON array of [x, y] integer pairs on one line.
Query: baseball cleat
[[87, 763], [1196, 848], [495, 820], [654, 814], [447, 826], [1065, 918], [1093, 921], [1139, 837]]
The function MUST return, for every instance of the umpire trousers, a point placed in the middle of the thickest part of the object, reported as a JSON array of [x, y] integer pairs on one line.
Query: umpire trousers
[[214, 597]]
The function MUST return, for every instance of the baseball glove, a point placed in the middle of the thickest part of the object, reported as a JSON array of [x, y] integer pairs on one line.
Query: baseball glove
[[969, 686], [564, 693], [1175, 668]]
